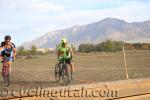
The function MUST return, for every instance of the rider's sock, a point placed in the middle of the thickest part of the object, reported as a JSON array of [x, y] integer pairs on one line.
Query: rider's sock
[[71, 75], [10, 71]]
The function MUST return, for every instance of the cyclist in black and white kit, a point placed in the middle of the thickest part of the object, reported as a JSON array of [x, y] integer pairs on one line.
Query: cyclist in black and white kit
[[8, 50]]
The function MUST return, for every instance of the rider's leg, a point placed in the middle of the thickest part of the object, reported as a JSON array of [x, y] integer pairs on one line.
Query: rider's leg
[[71, 69], [9, 64]]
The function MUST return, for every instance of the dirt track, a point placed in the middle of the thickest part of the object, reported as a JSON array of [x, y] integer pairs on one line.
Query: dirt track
[[122, 90]]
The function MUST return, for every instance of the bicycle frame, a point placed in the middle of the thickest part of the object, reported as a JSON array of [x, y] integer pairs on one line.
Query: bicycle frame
[[61, 72], [65, 72], [63, 62], [61, 67]]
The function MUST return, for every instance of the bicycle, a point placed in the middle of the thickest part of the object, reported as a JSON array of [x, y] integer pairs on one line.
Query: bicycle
[[5, 72], [62, 72]]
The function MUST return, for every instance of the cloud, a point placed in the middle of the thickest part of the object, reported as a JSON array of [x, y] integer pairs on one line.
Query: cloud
[[7, 4], [130, 12], [41, 23], [47, 7], [37, 17], [30, 5]]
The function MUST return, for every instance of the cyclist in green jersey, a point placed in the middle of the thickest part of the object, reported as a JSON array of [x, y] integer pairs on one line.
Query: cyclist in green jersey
[[65, 51]]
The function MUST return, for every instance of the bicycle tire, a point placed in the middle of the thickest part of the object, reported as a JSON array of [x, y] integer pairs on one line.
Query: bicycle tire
[[57, 72], [6, 80], [66, 79], [5, 73]]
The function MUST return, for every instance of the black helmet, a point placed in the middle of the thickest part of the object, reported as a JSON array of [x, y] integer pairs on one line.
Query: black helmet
[[7, 37]]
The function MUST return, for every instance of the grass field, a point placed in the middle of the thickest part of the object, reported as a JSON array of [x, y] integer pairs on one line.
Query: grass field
[[89, 68]]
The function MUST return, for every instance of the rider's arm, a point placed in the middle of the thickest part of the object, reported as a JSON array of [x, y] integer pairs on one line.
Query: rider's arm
[[0, 51], [71, 51], [2, 45], [58, 51], [14, 49], [1, 48], [58, 54]]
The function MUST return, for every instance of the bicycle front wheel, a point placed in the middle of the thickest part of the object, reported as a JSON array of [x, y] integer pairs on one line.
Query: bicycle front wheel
[[6, 79], [66, 75], [57, 72]]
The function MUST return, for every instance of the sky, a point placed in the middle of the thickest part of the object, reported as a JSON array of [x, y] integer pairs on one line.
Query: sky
[[25, 20]]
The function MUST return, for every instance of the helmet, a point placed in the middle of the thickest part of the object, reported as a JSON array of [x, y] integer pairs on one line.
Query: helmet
[[64, 40], [7, 37]]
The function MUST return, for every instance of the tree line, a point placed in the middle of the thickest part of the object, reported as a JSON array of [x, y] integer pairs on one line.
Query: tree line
[[21, 51], [107, 46], [33, 51], [112, 46]]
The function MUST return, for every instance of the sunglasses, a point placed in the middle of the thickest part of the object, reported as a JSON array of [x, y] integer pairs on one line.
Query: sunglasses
[[7, 40]]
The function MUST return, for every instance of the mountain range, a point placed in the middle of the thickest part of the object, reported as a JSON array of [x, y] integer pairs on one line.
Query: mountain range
[[109, 28]]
